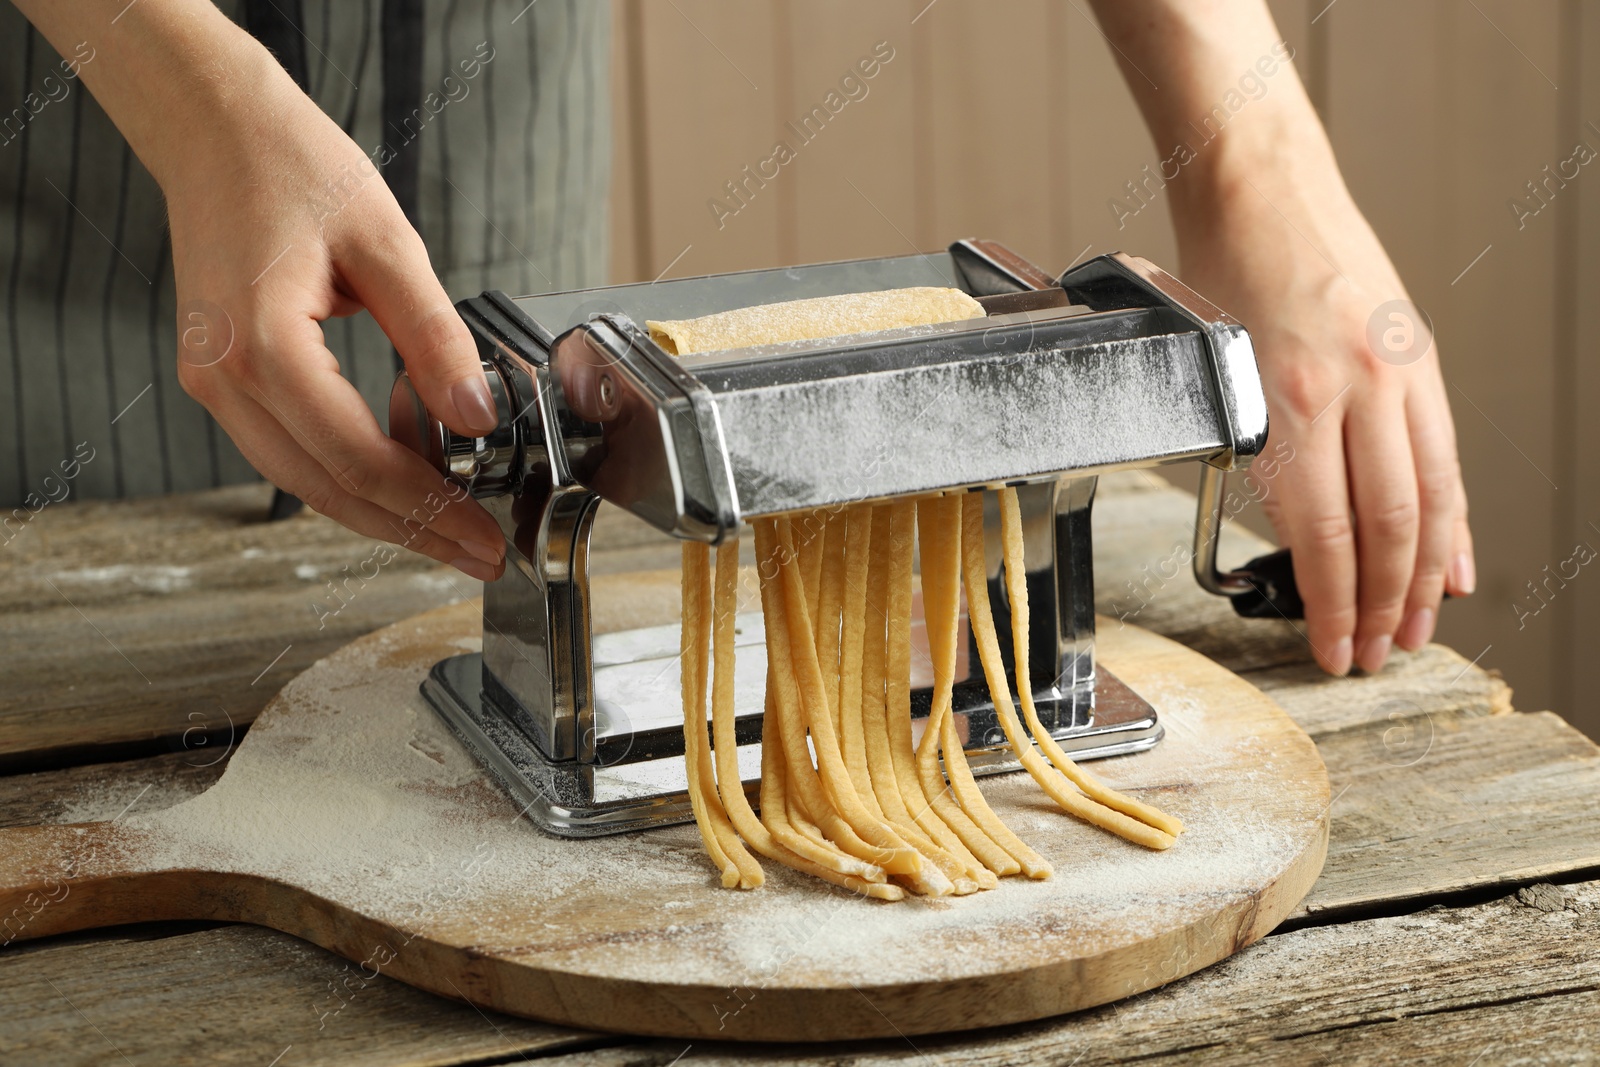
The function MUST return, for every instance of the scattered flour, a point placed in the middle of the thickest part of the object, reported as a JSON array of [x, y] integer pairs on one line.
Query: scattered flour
[[350, 787], [153, 577]]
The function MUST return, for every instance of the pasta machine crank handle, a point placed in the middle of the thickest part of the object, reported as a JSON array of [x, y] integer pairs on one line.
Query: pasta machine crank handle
[[1263, 588]]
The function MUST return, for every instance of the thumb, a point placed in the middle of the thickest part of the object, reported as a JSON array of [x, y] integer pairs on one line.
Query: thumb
[[397, 285]]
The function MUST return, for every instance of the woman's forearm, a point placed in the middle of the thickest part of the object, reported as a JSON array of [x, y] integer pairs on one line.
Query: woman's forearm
[[167, 72], [1217, 86]]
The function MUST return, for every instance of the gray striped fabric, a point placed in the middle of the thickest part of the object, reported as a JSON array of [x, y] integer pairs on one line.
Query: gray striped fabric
[[514, 175]]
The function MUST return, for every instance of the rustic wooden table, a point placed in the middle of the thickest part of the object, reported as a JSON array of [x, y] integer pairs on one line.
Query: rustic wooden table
[[1457, 920]]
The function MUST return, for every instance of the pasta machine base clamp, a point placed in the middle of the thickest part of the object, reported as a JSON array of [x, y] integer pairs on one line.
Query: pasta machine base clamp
[[1113, 365]]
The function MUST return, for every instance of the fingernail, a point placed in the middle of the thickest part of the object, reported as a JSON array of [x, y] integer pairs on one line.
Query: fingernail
[[1416, 630], [1463, 574], [1374, 653], [1339, 662], [490, 554], [474, 568], [475, 405]]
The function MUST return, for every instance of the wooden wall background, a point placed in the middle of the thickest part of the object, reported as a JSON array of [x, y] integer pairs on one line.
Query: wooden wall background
[[1008, 119]]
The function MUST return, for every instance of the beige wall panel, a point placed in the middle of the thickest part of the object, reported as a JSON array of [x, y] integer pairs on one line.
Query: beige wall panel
[[1301, 24], [629, 243], [984, 73], [1150, 234], [1107, 147], [1502, 317], [709, 68], [852, 186]]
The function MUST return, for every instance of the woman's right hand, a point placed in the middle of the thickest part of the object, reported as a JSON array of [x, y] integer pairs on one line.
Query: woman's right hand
[[1372, 503]]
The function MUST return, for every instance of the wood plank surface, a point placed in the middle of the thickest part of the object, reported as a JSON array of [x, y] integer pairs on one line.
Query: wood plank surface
[[205, 630], [206, 612], [1432, 141], [237, 995], [1447, 802], [1361, 817], [209, 609], [1351, 1005], [1432, 680], [1502, 982], [1432, 1032], [1427, 692]]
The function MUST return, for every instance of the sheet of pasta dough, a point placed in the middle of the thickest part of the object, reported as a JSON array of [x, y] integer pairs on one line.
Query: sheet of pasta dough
[[808, 320]]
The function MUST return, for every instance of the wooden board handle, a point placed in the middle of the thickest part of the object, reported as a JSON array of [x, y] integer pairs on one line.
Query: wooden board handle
[[59, 879], [56, 879]]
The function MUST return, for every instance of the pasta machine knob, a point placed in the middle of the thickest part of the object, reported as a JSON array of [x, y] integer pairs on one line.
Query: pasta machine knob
[[486, 465]]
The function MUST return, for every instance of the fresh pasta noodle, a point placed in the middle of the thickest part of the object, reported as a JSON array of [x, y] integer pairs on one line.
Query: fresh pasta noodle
[[830, 599], [853, 629], [730, 782], [879, 842], [877, 767], [941, 632], [939, 528], [981, 619], [716, 831], [898, 760], [845, 796], [1017, 590]]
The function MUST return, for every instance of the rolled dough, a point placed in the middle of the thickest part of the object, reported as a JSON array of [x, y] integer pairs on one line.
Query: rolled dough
[[807, 320]]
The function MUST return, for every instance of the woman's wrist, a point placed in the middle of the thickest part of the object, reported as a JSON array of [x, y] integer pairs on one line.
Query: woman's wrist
[[1280, 163], [222, 86]]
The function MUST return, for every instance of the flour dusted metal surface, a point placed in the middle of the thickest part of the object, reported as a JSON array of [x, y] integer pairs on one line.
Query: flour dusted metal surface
[[968, 409]]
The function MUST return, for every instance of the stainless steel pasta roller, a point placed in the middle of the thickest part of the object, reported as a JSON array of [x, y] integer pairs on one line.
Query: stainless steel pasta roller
[[1112, 365]]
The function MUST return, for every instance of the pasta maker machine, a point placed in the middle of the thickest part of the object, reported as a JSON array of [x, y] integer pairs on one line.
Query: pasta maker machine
[[1113, 365]]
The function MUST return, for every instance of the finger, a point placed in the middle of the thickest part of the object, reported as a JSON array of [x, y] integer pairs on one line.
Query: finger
[[1438, 482], [276, 454], [1383, 491], [395, 281], [1266, 470], [1462, 577], [1315, 508], [331, 422]]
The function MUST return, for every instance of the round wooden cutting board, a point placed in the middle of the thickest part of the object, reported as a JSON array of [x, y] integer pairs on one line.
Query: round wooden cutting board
[[350, 816]]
